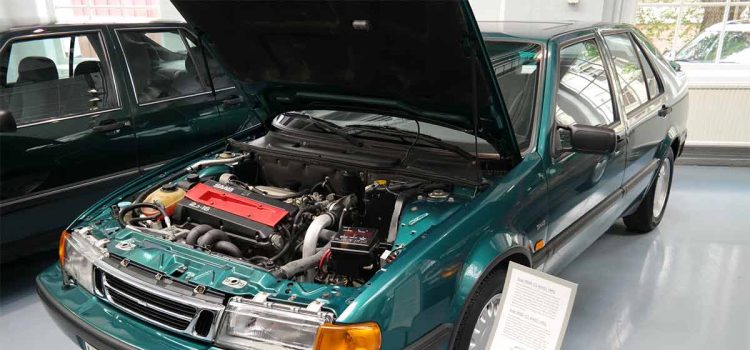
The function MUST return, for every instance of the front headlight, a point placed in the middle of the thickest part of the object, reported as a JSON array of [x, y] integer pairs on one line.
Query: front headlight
[[250, 324], [78, 252]]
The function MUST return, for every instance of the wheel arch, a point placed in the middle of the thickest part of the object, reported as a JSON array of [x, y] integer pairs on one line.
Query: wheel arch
[[483, 259]]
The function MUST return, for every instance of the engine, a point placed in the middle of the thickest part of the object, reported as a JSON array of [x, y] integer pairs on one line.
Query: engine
[[298, 221]]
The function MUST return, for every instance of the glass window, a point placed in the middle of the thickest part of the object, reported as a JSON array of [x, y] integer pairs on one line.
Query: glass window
[[736, 47], [517, 70], [628, 70], [54, 77], [583, 92], [652, 81], [692, 30], [219, 76], [160, 65]]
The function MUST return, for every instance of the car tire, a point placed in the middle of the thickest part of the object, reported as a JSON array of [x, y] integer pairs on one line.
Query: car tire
[[649, 213], [486, 297]]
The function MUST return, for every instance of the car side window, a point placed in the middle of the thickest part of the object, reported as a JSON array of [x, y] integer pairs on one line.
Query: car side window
[[736, 47], [583, 91], [516, 66], [55, 77], [628, 70], [653, 83], [219, 76], [160, 64]]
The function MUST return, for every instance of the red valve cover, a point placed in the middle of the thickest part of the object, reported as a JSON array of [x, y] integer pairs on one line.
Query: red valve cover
[[236, 204]]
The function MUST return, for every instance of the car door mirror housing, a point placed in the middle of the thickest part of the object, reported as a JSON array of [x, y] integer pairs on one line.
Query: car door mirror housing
[[7, 122], [591, 139]]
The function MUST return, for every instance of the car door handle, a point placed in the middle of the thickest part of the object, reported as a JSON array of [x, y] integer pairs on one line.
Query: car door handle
[[108, 125], [232, 101], [664, 111]]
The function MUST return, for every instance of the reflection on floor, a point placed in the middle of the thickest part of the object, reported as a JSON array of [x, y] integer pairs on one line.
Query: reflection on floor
[[684, 286]]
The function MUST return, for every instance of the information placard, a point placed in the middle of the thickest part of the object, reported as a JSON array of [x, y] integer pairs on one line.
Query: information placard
[[534, 311]]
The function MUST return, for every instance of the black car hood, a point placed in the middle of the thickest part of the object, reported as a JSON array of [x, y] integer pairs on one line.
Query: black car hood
[[415, 58]]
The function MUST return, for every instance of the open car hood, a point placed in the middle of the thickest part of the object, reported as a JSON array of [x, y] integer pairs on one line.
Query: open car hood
[[421, 59]]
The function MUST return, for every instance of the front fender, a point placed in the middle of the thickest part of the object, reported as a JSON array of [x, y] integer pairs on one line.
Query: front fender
[[484, 258]]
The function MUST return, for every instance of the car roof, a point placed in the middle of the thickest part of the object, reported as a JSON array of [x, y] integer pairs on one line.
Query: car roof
[[23, 24], [732, 26], [539, 31]]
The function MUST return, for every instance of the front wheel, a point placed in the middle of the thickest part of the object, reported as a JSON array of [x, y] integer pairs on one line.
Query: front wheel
[[651, 210], [484, 306]]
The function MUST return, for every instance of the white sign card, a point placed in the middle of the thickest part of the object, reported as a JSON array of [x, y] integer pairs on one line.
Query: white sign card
[[534, 311]]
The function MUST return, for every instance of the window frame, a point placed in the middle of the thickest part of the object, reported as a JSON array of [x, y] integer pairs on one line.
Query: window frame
[[636, 111], [538, 94], [617, 125], [72, 33], [183, 31], [636, 115]]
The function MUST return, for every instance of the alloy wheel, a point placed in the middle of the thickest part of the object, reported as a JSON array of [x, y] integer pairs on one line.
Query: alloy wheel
[[662, 187], [480, 337]]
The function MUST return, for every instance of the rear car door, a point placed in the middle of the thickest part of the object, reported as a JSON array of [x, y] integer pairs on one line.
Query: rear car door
[[644, 107], [175, 110], [583, 189], [72, 135]]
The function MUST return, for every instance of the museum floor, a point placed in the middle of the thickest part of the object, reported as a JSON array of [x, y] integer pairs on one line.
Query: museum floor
[[684, 286]]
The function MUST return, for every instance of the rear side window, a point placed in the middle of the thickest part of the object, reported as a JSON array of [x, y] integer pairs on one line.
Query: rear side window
[[55, 77], [161, 65], [628, 70], [583, 91], [219, 76], [653, 83], [516, 68]]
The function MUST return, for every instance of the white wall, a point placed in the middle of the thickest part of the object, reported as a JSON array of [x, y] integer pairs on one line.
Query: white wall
[[14, 10], [554, 10], [168, 12]]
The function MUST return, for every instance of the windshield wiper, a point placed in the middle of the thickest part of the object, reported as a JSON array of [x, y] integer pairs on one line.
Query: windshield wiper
[[403, 134], [326, 126]]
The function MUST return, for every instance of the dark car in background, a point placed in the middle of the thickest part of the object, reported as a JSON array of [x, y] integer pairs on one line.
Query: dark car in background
[[85, 108]]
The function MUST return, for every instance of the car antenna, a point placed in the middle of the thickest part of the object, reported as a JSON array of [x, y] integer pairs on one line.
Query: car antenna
[[205, 63]]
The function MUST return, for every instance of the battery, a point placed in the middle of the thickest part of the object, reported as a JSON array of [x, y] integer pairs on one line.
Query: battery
[[352, 249]]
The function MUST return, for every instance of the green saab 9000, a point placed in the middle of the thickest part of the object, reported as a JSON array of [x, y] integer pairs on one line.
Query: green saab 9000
[[407, 154]]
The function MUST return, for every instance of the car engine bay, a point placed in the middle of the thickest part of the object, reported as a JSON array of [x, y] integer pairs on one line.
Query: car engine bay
[[296, 219]]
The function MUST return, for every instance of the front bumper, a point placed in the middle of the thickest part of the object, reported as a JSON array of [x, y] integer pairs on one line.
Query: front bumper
[[85, 318]]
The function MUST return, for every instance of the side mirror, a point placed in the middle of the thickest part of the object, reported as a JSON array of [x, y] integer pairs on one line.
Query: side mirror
[[7, 122], [591, 139]]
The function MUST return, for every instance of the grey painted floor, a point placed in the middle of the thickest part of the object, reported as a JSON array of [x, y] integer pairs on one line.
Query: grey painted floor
[[684, 286]]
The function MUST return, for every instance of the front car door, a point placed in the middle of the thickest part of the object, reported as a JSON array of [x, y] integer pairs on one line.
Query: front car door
[[73, 141], [175, 109], [644, 105], [582, 188]]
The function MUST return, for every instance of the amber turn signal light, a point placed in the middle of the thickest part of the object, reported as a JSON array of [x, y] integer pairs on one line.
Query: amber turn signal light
[[360, 336], [61, 246]]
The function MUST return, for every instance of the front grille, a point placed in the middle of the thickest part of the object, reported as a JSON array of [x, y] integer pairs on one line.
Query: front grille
[[181, 313]]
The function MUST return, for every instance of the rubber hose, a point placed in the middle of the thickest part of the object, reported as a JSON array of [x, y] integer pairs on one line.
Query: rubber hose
[[228, 248], [132, 207], [295, 267], [196, 232], [211, 237]]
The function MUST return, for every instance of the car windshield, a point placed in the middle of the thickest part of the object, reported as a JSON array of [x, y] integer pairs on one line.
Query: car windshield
[[702, 49], [366, 125]]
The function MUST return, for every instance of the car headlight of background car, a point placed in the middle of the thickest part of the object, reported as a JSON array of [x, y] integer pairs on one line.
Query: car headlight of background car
[[248, 324], [78, 251]]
